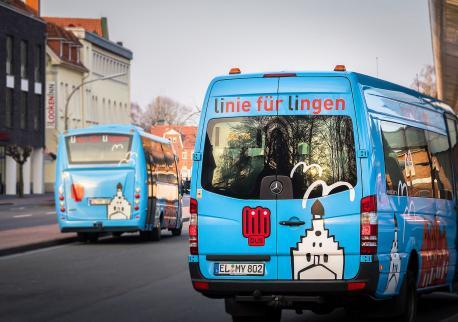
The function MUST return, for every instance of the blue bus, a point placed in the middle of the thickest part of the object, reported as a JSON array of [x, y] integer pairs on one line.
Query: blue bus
[[116, 179], [317, 190]]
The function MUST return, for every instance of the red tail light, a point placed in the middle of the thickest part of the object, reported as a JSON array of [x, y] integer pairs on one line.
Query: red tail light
[[200, 286], [77, 192], [193, 233], [355, 286], [193, 206], [369, 225]]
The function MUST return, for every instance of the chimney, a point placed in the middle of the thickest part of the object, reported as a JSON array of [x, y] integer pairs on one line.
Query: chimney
[[34, 5]]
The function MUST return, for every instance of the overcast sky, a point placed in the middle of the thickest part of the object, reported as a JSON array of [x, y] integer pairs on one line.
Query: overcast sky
[[179, 46]]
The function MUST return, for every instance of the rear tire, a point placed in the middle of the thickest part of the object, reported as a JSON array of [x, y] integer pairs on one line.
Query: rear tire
[[407, 299], [92, 237], [82, 237], [176, 231], [156, 234]]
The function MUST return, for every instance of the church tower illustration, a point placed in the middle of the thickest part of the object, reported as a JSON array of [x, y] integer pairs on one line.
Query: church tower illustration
[[395, 262], [317, 255], [119, 208]]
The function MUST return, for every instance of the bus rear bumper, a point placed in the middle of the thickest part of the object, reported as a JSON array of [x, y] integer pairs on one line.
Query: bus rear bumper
[[364, 284], [99, 226]]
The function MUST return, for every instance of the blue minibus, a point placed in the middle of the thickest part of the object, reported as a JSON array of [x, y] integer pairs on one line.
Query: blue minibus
[[116, 179], [317, 190]]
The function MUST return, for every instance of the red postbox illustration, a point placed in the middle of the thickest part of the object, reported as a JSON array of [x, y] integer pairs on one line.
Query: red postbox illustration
[[256, 225]]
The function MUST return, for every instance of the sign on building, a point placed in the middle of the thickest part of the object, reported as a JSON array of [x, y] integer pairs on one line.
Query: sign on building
[[51, 105]]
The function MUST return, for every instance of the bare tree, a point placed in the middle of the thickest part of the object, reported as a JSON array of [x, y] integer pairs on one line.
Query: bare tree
[[20, 154], [167, 111], [136, 114], [425, 81]]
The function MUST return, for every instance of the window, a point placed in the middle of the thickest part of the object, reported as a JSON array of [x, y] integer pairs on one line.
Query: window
[[185, 155], [451, 124], [407, 160], [9, 55], [23, 111], [418, 163], [240, 152], [24, 59], [99, 148], [9, 97], [37, 67], [36, 115], [394, 150], [441, 166]]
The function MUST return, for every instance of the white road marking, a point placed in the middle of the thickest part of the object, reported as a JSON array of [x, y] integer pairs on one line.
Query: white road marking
[[22, 216], [51, 213]]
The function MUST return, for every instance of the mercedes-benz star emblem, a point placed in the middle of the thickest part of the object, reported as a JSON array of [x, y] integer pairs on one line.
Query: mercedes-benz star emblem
[[276, 187]]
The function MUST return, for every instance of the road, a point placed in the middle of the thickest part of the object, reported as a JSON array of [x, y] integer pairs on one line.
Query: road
[[123, 279], [40, 214], [29, 215]]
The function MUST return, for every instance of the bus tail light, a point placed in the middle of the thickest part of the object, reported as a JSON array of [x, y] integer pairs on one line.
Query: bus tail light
[[369, 225], [77, 192], [193, 233]]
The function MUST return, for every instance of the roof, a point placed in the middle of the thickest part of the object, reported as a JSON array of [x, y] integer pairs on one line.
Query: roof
[[94, 25], [188, 133], [21, 8], [56, 32], [423, 100], [108, 45]]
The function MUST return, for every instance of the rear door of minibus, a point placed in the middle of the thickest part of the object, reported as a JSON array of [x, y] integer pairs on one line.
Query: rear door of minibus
[[237, 236], [318, 219]]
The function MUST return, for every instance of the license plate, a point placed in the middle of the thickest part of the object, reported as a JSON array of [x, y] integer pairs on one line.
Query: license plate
[[99, 201], [240, 269]]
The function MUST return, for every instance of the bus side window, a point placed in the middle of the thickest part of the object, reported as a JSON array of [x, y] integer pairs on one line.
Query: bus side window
[[160, 165], [441, 166], [395, 152], [418, 163], [451, 124]]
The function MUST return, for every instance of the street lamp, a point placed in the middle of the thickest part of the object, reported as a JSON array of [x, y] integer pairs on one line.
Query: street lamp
[[81, 85]]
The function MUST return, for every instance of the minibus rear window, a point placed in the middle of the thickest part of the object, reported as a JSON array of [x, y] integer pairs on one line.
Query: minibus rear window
[[240, 151], [98, 148]]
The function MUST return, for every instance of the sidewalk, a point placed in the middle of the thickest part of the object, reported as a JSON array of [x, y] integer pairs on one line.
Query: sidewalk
[[30, 238], [41, 199]]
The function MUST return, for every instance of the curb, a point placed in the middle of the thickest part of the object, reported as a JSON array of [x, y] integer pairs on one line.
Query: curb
[[38, 245]]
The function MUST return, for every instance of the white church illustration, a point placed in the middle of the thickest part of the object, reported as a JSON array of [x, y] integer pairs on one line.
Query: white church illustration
[[318, 255], [395, 262], [119, 208]]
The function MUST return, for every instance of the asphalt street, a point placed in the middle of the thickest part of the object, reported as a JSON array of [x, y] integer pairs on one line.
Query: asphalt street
[[21, 216], [123, 279]]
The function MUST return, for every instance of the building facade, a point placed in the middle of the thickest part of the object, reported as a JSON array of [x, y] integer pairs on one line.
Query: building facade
[[183, 138], [81, 56], [22, 52]]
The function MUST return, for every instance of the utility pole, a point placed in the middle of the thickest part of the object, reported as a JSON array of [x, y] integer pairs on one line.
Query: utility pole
[[78, 87]]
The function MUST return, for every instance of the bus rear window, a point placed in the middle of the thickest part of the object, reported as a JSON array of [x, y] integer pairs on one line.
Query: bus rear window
[[98, 148], [240, 152]]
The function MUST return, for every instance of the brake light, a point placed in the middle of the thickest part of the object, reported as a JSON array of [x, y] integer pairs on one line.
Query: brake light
[[355, 286], [369, 225], [200, 286], [193, 233], [280, 75], [77, 192]]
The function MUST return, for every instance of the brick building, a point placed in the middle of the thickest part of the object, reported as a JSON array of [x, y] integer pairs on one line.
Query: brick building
[[183, 138]]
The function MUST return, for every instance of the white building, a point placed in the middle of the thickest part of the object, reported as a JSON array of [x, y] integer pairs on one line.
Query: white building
[[84, 56]]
